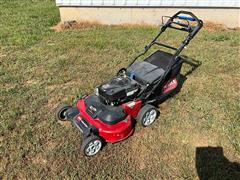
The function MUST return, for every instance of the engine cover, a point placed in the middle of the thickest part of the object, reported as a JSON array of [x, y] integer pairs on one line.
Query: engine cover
[[117, 89]]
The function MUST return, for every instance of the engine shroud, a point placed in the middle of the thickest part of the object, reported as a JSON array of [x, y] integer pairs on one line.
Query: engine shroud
[[118, 89]]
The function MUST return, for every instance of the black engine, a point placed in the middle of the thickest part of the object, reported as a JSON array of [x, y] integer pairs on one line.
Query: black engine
[[117, 90]]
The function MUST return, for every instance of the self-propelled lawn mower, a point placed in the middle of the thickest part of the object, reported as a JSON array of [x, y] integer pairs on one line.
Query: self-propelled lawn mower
[[110, 113]]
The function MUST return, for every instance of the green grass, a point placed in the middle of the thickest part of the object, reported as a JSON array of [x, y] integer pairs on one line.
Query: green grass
[[40, 68]]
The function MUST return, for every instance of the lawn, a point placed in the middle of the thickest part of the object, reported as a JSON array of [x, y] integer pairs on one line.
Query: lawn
[[197, 133]]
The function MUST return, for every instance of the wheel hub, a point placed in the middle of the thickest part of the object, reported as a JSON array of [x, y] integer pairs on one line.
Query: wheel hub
[[93, 147], [149, 117]]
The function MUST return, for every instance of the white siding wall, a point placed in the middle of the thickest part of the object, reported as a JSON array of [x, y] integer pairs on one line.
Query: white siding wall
[[151, 3]]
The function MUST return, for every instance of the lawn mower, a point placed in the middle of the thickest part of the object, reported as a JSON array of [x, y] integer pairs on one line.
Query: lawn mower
[[110, 114]]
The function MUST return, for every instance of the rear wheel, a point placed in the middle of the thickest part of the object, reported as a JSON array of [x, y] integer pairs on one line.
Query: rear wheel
[[147, 115], [60, 113], [91, 145]]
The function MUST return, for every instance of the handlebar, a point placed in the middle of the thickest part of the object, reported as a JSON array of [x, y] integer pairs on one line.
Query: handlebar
[[188, 16], [191, 18], [192, 30]]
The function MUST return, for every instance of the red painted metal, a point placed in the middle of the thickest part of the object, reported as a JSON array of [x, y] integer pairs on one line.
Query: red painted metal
[[132, 108], [116, 132]]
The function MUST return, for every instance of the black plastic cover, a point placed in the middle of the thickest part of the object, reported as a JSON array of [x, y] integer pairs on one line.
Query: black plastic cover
[[118, 88], [165, 60], [106, 113]]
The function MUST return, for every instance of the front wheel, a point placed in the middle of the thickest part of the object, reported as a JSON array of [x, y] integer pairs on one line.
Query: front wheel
[[91, 145], [147, 115], [60, 113]]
